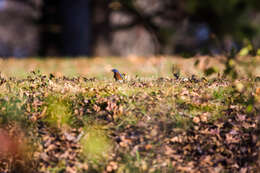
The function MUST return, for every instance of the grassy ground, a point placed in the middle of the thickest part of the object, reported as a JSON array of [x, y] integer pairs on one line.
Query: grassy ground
[[69, 115], [101, 67]]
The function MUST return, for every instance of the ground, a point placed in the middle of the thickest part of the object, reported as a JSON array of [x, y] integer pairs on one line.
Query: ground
[[169, 115]]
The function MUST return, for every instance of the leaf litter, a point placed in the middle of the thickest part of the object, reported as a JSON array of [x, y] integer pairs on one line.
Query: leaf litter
[[165, 124]]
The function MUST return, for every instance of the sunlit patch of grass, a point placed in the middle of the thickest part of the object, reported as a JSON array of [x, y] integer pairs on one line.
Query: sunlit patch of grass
[[58, 112], [12, 111], [96, 144]]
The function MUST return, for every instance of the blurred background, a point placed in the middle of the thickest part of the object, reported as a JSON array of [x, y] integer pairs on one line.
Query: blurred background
[[128, 27]]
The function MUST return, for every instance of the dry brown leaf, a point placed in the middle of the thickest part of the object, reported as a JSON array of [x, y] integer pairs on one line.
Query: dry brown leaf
[[196, 120]]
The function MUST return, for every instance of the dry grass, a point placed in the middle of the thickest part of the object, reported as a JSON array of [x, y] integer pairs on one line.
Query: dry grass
[[100, 67]]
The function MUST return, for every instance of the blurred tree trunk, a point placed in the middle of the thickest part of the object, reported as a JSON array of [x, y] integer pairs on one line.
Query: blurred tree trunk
[[75, 24]]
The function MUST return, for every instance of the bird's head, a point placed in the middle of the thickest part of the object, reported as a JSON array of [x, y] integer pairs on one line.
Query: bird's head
[[114, 70]]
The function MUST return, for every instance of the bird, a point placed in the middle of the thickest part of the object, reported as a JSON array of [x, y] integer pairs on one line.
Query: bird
[[117, 75]]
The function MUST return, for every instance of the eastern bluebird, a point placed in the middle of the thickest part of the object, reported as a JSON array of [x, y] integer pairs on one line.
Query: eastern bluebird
[[117, 75]]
